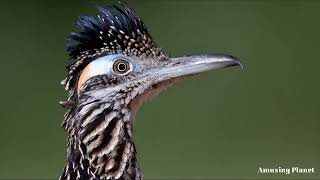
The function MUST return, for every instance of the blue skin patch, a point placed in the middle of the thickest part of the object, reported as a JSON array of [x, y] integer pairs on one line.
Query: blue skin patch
[[103, 65]]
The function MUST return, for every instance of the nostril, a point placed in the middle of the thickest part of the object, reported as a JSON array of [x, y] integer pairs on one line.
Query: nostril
[[176, 63]]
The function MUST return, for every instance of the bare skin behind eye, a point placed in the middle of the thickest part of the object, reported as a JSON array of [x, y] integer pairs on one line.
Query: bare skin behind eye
[[83, 77]]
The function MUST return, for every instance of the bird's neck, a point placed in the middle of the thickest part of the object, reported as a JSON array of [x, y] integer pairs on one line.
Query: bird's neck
[[102, 145]]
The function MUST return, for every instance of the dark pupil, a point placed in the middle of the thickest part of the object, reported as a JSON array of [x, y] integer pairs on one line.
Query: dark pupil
[[121, 67]]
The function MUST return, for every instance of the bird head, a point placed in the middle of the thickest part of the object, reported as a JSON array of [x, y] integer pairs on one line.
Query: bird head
[[114, 52], [114, 67]]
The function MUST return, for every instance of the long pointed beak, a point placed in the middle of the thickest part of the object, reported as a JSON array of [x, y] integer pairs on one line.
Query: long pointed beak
[[173, 70], [195, 64]]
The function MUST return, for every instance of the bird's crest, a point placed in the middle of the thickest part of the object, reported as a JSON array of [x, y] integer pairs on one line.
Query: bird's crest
[[113, 30]]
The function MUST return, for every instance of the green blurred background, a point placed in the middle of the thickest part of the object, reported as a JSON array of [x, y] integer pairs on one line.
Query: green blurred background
[[223, 124]]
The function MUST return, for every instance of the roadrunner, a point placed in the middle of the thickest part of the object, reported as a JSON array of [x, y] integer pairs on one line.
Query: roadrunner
[[114, 68]]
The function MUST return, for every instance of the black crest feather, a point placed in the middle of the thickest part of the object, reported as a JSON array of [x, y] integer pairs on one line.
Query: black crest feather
[[113, 30]]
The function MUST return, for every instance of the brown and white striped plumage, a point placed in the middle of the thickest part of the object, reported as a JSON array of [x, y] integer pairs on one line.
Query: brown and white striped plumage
[[100, 143]]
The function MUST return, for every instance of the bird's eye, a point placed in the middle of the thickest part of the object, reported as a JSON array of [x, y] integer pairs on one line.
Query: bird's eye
[[121, 67]]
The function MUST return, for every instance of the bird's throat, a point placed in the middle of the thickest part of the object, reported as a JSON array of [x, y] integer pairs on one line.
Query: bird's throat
[[102, 146]]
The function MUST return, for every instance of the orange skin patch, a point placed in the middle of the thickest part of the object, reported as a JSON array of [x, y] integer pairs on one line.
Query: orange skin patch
[[85, 75]]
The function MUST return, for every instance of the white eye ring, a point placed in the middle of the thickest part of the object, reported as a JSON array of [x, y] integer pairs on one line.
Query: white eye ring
[[121, 67]]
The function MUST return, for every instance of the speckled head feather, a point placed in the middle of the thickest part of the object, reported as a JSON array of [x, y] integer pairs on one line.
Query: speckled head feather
[[113, 30]]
